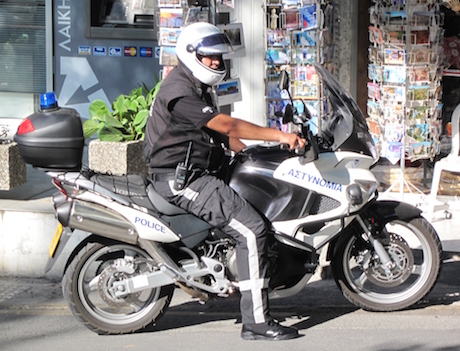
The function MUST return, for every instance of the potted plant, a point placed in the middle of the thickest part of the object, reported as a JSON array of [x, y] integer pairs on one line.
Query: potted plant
[[118, 149]]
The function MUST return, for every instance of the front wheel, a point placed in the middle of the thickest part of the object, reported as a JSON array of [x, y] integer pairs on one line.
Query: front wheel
[[88, 287], [415, 251]]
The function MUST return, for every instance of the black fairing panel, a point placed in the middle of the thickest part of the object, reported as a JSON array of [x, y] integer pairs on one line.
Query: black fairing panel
[[252, 178]]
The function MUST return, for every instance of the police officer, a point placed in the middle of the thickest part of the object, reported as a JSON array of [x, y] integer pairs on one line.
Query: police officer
[[184, 119]]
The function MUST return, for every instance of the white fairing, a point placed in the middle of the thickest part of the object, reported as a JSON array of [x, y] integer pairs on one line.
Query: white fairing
[[329, 175], [148, 227]]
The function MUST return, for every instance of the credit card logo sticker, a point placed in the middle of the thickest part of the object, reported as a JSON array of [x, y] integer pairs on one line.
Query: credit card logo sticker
[[130, 51], [115, 51], [100, 51], [84, 50], [146, 52]]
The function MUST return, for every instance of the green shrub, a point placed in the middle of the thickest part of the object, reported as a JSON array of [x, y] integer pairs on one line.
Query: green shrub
[[128, 119]]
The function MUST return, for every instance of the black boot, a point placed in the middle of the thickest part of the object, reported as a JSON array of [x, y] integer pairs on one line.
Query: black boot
[[271, 330]]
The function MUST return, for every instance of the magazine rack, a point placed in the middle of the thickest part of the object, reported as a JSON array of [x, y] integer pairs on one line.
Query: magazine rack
[[298, 33], [405, 73]]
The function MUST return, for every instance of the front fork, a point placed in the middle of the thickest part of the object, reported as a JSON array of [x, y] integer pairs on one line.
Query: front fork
[[367, 235]]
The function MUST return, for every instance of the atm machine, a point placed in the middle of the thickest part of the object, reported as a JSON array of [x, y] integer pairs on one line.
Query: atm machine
[[103, 48]]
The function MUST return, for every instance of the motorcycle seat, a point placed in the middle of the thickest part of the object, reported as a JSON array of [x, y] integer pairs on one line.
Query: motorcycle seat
[[161, 205]]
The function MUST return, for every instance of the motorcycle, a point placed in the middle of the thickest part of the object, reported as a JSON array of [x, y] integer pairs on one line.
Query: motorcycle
[[384, 255]]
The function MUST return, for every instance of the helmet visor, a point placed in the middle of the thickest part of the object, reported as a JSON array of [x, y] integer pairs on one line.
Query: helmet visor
[[213, 44]]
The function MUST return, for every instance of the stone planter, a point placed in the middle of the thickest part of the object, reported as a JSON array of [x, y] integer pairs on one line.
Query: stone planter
[[117, 158], [12, 166]]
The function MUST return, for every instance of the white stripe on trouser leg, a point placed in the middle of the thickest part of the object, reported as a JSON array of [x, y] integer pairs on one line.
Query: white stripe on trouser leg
[[187, 192], [255, 282]]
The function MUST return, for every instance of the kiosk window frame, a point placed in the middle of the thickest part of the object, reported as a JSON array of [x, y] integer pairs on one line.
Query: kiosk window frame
[[102, 20]]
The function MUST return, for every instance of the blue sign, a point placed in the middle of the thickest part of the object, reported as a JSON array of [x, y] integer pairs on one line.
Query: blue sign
[[115, 51], [100, 51]]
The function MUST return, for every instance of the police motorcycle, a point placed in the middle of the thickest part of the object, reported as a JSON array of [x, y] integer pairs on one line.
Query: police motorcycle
[[384, 255]]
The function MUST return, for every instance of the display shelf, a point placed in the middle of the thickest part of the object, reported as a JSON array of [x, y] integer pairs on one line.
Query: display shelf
[[405, 74], [298, 34]]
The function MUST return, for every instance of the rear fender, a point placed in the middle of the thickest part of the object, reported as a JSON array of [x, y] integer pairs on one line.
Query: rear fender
[[384, 211], [91, 238]]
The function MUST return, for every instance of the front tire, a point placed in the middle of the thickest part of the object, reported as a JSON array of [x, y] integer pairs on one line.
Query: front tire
[[87, 283], [415, 250]]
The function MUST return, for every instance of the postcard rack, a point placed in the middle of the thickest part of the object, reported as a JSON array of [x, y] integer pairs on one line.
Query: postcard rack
[[298, 33], [405, 73]]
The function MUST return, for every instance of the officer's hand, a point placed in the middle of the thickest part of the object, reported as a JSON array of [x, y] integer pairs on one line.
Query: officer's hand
[[293, 140]]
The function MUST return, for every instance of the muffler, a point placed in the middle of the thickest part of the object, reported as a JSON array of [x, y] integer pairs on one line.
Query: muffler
[[100, 220]]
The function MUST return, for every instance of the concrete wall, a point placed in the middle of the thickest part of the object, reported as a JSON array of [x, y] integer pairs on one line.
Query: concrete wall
[[26, 230]]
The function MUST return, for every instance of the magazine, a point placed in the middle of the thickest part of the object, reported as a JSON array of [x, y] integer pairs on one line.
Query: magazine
[[419, 132], [170, 17], [396, 93], [394, 132], [419, 92], [163, 3], [375, 72], [394, 74], [419, 150], [291, 18], [392, 151], [196, 14], [304, 56], [419, 74], [373, 91], [278, 56], [277, 37], [420, 37], [396, 37], [168, 36], [419, 113], [308, 17], [395, 56], [305, 38], [420, 56], [373, 110], [168, 56]]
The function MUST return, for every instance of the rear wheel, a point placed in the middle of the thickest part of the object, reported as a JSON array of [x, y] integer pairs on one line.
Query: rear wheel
[[415, 251], [88, 289]]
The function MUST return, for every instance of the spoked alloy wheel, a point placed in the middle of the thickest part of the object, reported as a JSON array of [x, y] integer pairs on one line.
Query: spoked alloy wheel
[[88, 287], [415, 252]]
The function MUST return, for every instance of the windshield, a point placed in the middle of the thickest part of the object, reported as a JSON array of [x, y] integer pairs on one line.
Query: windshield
[[343, 121]]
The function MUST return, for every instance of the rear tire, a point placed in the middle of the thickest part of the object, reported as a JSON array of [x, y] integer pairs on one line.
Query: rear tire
[[86, 287], [415, 248]]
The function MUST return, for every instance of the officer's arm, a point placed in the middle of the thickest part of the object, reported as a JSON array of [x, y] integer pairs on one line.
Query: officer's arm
[[238, 128], [236, 144]]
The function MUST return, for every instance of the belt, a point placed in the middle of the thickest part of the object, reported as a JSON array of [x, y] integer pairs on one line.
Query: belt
[[163, 177]]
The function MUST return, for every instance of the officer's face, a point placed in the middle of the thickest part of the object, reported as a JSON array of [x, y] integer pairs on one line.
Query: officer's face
[[212, 61]]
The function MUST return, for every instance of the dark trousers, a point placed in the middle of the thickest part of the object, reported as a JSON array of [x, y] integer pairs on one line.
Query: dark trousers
[[210, 199]]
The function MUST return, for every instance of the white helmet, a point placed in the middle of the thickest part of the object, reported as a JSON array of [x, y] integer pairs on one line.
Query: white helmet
[[203, 39]]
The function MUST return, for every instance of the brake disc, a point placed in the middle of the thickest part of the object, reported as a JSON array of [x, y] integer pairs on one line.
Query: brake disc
[[106, 291], [402, 257]]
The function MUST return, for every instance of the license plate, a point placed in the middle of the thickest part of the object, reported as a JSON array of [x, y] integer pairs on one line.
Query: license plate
[[55, 240]]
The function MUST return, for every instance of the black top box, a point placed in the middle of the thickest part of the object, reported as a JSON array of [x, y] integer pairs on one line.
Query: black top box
[[52, 139]]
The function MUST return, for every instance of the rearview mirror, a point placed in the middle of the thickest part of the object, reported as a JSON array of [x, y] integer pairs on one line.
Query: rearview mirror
[[283, 80], [288, 114]]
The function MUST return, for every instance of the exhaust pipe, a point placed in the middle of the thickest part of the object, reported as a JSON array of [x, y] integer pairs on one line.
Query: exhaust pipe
[[99, 220]]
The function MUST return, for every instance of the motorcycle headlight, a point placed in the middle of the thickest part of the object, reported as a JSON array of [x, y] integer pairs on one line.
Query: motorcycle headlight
[[368, 186]]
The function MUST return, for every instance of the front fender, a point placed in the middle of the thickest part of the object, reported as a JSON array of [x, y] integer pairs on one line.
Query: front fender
[[387, 210], [383, 211]]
